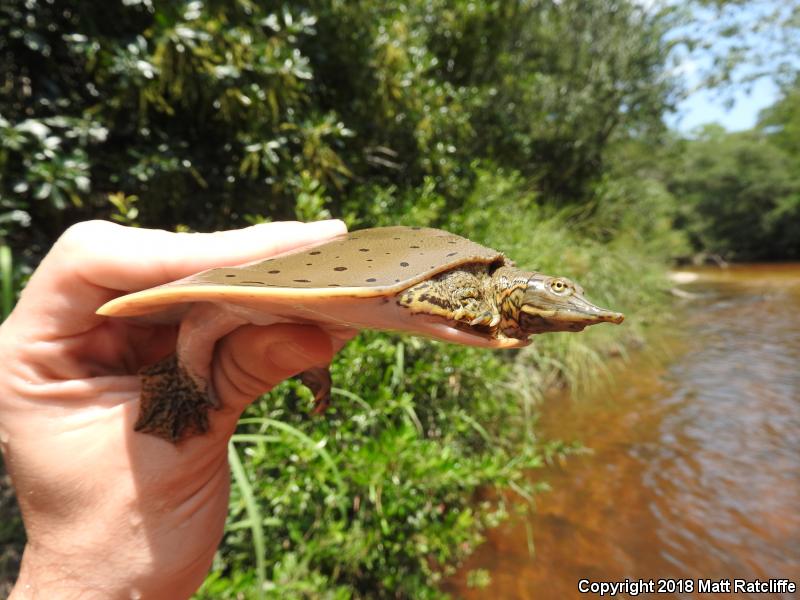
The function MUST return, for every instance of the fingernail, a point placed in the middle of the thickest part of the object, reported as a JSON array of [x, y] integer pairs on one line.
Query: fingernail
[[334, 224], [289, 356]]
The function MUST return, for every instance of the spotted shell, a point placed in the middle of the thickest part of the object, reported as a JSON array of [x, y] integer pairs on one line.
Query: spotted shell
[[360, 264]]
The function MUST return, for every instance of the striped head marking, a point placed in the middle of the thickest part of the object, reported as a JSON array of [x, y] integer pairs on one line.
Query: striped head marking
[[545, 303]]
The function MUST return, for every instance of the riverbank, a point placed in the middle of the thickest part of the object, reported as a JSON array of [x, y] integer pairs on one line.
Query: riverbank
[[379, 495], [692, 470]]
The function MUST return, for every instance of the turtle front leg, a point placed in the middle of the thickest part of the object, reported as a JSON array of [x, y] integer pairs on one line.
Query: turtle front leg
[[176, 392], [476, 311]]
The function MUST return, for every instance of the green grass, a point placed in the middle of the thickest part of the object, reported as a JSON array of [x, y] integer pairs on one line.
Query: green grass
[[7, 291], [378, 498], [254, 520]]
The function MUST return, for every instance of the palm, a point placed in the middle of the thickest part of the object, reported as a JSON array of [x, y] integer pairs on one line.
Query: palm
[[80, 438], [145, 515]]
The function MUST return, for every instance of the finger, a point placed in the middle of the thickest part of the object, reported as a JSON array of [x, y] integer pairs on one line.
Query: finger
[[127, 259], [95, 261], [252, 360]]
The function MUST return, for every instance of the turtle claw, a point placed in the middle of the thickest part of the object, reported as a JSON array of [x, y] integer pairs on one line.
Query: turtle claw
[[488, 319], [318, 380]]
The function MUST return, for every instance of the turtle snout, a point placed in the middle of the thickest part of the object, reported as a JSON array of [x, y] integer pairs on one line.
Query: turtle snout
[[583, 310]]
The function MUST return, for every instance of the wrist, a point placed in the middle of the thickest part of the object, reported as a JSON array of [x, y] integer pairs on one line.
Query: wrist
[[43, 575], [125, 573]]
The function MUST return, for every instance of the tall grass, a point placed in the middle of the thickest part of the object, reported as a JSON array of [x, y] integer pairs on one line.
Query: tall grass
[[7, 291], [620, 261], [12, 532], [377, 499]]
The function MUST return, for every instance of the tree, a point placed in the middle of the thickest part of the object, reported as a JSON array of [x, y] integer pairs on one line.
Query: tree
[[741, 195], [207, 114], [736, 42], [780, 123], [204, 114]]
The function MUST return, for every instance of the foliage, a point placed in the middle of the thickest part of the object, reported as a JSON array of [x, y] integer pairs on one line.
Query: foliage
[[376, 500], [12, 534], [594, 245], [734, 43], [378, 494], [502, 121], [741, 194], [213, 113], [780, 123]]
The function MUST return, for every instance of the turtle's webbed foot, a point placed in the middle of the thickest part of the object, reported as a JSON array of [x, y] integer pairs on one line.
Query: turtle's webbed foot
[[173, 406], [318, 380]]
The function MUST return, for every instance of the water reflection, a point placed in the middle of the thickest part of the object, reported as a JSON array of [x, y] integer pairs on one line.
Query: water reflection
[[695, 470]]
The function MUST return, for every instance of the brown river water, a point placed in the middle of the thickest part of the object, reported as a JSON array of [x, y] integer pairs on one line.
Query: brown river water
[[694, 469]]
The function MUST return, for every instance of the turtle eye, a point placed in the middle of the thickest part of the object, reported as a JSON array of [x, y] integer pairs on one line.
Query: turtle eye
[[559, 286]]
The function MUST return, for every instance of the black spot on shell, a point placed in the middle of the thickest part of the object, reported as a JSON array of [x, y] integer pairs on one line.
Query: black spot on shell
[[230, 275], [414, 246], [363, 249], [403, 264], [334, 285], [452, 254], [309, 264], [369, 260], [452, 241], [273, 271], [255, 282], [371, 279], [397, 281], [315, 252], [397, 238], [340, 268], [302, 281]]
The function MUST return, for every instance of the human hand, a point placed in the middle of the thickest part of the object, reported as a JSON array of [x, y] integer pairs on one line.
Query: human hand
[[110, 513]]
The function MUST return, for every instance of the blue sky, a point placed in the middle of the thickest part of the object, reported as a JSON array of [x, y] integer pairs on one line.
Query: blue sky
[[708, 107], [759, 28]]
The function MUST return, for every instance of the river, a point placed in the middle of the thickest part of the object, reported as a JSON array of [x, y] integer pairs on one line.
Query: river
[[694, 470]]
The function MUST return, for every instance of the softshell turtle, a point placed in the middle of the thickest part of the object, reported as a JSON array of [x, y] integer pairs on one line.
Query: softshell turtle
[[411, 279]]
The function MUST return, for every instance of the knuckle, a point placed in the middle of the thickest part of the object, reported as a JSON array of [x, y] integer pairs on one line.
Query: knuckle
[[241, 379], [86, 234]]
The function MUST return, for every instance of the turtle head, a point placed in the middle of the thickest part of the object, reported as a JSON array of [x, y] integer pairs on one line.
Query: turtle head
[[558, 304]]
